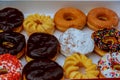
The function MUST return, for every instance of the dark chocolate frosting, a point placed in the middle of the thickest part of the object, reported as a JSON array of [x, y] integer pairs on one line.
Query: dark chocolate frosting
[[10, 18], [42, 69], [11, 42], [42, 45]]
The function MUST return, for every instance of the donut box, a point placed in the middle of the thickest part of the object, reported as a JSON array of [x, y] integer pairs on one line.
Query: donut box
[[50, 7]]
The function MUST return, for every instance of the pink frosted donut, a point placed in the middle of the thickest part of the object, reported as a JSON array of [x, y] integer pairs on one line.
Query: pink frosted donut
[[10, 67], [109, 65]]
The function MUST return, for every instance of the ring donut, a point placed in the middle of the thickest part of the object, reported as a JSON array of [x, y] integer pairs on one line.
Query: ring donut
[[13, 43], [42, 69], [39, 23], [100, 18], [10, 67], [106, 40], [73, 65], [11, 19], [42, 45], [70, 42], [109, 65], [69, 17]]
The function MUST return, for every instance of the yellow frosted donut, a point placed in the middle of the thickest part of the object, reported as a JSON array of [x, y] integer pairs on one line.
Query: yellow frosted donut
[[39, 23], [74, 63]]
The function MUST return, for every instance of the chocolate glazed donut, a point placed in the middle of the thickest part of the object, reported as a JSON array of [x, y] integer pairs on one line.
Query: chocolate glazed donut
[[42, 45], [10, 18], [11, 42], [42, 69]]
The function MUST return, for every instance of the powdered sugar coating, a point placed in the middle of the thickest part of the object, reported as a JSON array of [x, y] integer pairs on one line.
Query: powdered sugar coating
[[74, 40]]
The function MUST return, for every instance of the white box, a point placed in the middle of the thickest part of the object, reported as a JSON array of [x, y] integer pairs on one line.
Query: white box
[[50, 7]]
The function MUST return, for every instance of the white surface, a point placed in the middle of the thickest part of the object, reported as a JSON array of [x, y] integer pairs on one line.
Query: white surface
[[50, 7]]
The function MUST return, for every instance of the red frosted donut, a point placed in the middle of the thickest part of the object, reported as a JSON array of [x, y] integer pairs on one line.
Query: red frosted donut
[[10, 67], [100, 18], [69, 17]]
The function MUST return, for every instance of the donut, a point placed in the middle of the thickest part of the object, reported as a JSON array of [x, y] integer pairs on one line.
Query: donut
[[13, 43], [74, 40], [69, 17], [101, 17], [106, 40], [38, 23], [10, 67], [11, 19], [42, 69], [109, 65], [78, 66], [42, 45]]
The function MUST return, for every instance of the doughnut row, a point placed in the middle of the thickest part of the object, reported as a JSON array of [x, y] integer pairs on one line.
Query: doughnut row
[[42, 47]]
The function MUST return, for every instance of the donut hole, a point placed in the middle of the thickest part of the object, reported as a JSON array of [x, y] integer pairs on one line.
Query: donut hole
[[68, 17], [7, 44], [38, 22], [110, 40], [82, 69], [3, 71], [102, 17], [116, 67]]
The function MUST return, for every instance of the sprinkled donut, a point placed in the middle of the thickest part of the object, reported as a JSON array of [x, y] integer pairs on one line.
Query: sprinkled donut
[[10, 67], [74, 40], [109, 65], [107, 40]]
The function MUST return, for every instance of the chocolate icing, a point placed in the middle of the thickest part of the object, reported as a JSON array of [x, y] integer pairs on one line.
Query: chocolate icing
[[112, 45], [16, 39], [42, 69], [10, 18], [42, 45]]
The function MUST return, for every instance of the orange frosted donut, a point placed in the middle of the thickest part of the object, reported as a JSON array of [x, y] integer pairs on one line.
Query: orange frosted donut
[[100, 17], [69, 17]]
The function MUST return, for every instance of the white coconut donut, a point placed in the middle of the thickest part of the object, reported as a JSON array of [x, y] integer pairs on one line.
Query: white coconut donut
[[74, 40]]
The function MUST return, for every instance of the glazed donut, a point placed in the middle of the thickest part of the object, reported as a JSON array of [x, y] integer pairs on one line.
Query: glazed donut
[[42, 69], [10, 67], [11, 19], [39, 23], [69, 17], [74, 40], [13, 43], [100, 18], [74, 63], [42, 45], [109, 65], [106, 40]]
